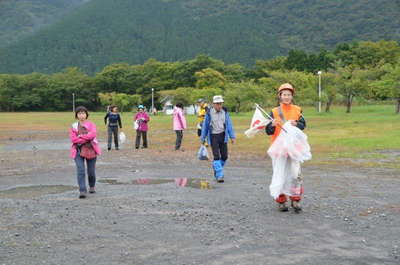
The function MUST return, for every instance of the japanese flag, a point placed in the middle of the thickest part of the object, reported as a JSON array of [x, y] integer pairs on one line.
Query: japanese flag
[[258, 123]]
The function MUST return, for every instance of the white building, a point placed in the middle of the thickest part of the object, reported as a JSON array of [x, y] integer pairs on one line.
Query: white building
[[168, 107]]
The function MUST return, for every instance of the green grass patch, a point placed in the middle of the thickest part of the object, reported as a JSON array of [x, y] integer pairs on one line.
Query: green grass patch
[[333, 136]]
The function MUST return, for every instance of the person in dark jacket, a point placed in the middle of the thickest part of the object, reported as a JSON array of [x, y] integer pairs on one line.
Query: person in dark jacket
[[114, 120], [218, 128]]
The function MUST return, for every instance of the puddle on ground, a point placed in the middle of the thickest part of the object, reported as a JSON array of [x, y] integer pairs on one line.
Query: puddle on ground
[[193, 183], [144, 181], [29, 192], [179, 182], [39, 145]]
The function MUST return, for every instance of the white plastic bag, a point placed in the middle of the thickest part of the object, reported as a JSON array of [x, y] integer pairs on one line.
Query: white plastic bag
[[292, 143], [122, 137], [136, 125], [202, 154]]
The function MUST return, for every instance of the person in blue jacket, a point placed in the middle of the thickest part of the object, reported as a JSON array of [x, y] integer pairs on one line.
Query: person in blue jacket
[[218, 128]]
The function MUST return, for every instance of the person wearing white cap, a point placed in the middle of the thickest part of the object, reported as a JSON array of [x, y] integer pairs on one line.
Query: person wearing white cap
[[218, 128]]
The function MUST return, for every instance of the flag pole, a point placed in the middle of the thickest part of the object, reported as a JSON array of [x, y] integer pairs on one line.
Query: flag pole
[[263, 111]]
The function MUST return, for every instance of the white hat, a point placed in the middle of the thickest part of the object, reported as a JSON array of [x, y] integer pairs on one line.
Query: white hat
[[218, 99]]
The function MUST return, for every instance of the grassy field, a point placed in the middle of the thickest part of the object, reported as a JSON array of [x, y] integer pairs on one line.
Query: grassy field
[[369, 136]]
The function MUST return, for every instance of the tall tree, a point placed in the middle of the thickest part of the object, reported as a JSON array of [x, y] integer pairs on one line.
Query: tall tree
[[208, 77], [389, 85], [354, 83]]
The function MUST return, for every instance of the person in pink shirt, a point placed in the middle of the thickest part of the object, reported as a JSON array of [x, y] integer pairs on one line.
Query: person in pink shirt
[[85, 147], [141, 120], [179, 124]]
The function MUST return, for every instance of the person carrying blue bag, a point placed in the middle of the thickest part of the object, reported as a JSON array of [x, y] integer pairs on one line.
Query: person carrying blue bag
[[218, 128]]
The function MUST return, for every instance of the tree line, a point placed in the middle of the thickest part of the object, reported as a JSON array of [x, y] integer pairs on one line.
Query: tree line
[[360, 70]]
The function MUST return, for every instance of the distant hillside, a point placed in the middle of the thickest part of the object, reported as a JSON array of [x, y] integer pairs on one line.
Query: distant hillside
[[103, 31], [24, 17]]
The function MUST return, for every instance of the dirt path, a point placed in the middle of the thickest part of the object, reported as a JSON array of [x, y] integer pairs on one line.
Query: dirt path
[[351, 215]]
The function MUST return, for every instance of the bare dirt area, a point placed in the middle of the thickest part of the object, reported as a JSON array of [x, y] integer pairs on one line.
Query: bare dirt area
[[151, 207]]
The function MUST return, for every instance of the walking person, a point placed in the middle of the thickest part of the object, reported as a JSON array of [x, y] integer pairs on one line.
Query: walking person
[[218, 128], [179, 124], [203, 108], [141, 120], [114, 120], [85, 147], [286, 180]]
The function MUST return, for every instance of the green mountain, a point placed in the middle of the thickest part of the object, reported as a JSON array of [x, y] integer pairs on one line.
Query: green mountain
[[25, 17], [101, 32]]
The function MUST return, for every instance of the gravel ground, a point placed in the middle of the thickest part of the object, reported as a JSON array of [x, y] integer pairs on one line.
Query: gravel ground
[[350, 215]]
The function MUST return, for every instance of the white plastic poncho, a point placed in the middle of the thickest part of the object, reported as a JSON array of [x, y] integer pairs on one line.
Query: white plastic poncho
[[289, 149]]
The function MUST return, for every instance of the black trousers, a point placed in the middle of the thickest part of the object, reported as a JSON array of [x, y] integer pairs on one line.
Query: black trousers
[[141, 134], [179, 136], [112, 130], [219, 147]]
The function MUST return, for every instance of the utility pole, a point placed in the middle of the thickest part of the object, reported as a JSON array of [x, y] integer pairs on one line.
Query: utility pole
[[319, 90], [73, 102], [152, 100]]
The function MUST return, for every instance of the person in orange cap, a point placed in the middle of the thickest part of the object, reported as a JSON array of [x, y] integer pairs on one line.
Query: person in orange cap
[[286, 111]]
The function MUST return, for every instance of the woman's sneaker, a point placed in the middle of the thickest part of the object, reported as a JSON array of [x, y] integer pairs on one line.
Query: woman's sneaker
[[92, 190], [283, 207], [82, 195], [296, 206]]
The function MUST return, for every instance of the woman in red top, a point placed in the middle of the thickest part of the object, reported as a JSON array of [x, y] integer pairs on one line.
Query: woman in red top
[[287, 111]]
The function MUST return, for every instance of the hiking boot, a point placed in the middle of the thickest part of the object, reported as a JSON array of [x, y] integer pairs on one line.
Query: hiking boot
[[296, 206], [283, 207], [92, 190], [82, 195]]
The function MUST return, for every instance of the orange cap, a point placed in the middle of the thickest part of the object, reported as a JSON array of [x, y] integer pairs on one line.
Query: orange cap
[[286, 86]]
